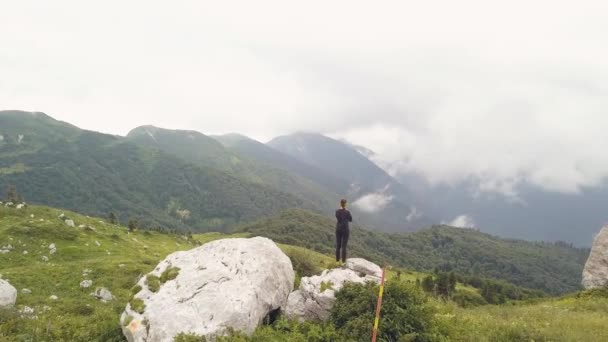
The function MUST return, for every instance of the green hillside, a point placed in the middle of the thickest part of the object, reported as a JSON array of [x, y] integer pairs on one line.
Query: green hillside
[[113, 258], [549, 267], [56, 164], [197, 148], [262, 153]]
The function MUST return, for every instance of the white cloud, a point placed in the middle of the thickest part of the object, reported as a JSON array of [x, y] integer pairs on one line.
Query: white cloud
[[372, 202], [503, 92], [413, 215], [462, 221]]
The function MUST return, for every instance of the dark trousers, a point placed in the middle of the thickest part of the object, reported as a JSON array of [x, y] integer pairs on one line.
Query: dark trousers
[[341, 242]]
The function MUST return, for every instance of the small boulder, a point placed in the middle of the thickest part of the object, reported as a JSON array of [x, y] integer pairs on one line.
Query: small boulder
[[26, 310], [70, 223], [85, 284], [361, 265], [53, 297], [103, 294], [26, 291], [45, 258], [8, 294], [317, 294], [20, 206]]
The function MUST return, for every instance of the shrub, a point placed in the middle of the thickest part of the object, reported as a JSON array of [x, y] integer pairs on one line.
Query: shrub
[[189, 338], [153, 283], [137, 305], [135, 289], [169, 274], [326, 286], [406, 314]]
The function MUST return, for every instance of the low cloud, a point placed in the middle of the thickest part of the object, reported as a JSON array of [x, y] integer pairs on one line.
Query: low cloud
[[372, 202], [453, 94], [462, 221]]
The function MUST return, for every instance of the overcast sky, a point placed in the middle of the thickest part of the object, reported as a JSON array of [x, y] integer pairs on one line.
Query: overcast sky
[[502, 90]]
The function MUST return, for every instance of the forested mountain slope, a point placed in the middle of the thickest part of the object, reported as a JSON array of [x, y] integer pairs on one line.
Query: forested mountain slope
[[60, 165], [199, 149], [555, 268]]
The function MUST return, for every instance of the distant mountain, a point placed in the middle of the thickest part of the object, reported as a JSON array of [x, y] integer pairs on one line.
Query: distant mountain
[[555, 268], [57, 164], [532, 213], [249, 148], [371, 189]]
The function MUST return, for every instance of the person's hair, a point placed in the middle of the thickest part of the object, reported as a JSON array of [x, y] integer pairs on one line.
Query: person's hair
[[343, 203]]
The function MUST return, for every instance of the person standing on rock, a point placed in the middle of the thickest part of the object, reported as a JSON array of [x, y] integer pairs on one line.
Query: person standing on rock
[[343, 218]]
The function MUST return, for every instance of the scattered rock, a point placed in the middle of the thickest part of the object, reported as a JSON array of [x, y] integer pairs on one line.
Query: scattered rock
[[8, 294], [45, 258], [97, 243], [595, 273], [81, 226], [26, 310], [25, 252], [121, 265], [70, 223], [317, 294], [32, 216], [26, 291], [52, 249], [9, 204], [62, 216], [4, 251], [20, 206], [53, 297], [103, 294], [246, 278], [85, 284]]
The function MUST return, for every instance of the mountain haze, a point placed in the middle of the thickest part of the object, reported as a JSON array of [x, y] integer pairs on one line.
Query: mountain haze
[[390, 205]]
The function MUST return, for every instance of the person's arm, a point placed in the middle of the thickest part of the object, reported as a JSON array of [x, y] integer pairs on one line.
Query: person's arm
[[337, 216], [350, 217]]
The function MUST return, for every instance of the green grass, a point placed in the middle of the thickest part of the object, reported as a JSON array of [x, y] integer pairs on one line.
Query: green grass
[[112, 257], [566, 319]]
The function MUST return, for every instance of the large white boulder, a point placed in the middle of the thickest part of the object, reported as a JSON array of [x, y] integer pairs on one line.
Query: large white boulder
[[229, 283], [595, 273], [316, 296], [8, 294]]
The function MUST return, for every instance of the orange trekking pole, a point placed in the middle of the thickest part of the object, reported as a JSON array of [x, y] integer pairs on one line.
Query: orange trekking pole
[[378, 307]]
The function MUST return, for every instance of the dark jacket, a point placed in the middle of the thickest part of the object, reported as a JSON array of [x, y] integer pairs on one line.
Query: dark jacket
[[344, 217]]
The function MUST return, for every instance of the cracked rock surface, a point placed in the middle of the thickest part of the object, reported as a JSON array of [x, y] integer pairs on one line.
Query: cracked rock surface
[[229, 283], [317, 294]]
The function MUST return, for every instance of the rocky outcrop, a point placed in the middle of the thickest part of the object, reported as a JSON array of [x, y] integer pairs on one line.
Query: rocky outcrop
[[595, 273], [230, 283], [8, 294], [317, 294]]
